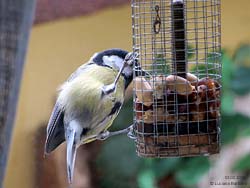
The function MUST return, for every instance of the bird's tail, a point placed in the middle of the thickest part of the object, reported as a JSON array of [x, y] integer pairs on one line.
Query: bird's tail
[[71, 152]]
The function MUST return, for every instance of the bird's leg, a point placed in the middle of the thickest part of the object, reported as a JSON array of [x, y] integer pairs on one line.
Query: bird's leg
[[107, 89], [107, 134]]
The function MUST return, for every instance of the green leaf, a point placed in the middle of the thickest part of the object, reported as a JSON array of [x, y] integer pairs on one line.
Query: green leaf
[[163, 167], [204, 70], [241, 75], [119, 153], [190, 52], [146, 179], [233, 126], [227, 103], [161, 64], [229, 132], [242, 164], [227, 68], [242, 56], [148, 162], [245, 132], [240, 83], [192, 170]]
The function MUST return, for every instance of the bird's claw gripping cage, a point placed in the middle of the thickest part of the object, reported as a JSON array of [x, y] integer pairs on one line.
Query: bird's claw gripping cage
[[177, 104]]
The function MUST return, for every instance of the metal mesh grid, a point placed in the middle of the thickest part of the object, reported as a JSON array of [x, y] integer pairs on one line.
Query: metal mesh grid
[[176, 105], [15, 22]]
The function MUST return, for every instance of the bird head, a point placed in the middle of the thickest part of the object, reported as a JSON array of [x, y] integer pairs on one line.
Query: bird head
[[115, 59]]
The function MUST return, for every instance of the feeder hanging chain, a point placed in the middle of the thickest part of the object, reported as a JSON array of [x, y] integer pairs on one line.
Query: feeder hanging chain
[[157, 22]]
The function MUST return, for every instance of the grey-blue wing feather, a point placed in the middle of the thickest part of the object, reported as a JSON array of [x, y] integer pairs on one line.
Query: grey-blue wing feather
[[78, 71], [55, 129]]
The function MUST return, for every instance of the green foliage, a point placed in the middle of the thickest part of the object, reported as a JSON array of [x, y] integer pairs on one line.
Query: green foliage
[[118, 163], [165, 167], [146, 179], [155, 169], [236, 76], [161, 64], [241, 80], [227, 101], [190, 52], [242, 56], [243, 164], [192, 170], [204, 70], [233, 126], [117, 160], [235, 81], [227, 70]]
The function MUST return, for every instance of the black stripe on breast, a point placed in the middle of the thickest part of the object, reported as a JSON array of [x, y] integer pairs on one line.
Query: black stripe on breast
[[115, 108], [84, 131]]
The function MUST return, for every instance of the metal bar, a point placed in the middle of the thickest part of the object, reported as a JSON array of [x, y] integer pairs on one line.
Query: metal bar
[[13, 45], [178, 35]]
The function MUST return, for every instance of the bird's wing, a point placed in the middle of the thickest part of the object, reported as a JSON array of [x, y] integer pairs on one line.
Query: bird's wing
[[55, 129], [78, 71]]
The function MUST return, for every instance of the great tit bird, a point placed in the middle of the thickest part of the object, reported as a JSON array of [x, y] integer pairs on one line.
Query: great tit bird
[[88, 102]]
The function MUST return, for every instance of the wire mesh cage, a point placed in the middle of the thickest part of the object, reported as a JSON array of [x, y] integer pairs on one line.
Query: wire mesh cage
[[177, 101]]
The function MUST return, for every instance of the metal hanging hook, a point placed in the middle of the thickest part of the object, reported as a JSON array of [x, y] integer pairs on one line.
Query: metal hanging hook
[[157, 22]]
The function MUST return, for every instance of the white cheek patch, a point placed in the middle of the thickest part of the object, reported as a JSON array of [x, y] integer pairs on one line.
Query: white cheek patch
[[106, 60], [113, 61], [117, 63]]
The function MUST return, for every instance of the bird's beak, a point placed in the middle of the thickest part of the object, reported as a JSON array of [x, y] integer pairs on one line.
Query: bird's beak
[[132, 58], [139, 71]]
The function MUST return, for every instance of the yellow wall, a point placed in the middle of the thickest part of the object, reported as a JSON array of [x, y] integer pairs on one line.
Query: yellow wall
[[235, 23], [57, 48]]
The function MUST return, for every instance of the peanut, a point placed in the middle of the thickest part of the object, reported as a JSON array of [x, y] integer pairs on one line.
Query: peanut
[[143, 91], [179, 84]]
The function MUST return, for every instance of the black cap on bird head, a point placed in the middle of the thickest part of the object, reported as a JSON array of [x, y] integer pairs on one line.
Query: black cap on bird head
[[98, 58], [115, 58]]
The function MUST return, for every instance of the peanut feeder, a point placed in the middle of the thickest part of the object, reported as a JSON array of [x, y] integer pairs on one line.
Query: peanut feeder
[[177, 104]]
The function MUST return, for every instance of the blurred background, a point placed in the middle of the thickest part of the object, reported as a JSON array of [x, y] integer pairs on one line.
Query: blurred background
[[64, 35]]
